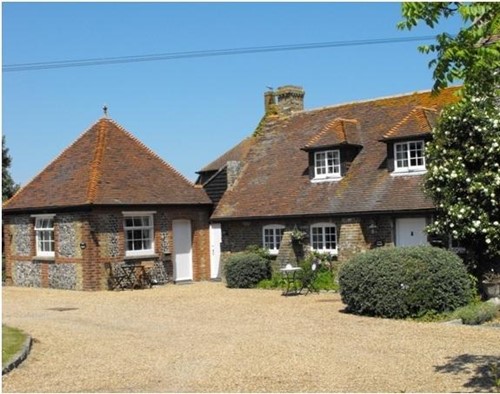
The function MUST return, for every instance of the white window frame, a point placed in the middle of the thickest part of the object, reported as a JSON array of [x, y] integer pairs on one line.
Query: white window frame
[[133, 227], [41, 231], [323, 241], [275, 231], [324, 170], [408, 148]]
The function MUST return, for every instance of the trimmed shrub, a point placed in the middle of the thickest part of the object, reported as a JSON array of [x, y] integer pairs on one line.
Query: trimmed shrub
[[404, 282], [478, 313], [245, 270]]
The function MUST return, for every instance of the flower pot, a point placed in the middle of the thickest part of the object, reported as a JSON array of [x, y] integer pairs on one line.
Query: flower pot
[[491, 288]]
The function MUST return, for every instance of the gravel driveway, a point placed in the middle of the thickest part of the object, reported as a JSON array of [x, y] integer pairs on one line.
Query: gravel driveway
[[204, 337]]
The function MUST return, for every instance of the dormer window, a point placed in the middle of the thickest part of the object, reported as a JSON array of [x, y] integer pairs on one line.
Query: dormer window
[[327, 165], [409, 156]]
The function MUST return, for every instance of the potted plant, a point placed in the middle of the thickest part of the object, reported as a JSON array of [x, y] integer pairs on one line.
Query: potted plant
[[491, 284], [297, 235]]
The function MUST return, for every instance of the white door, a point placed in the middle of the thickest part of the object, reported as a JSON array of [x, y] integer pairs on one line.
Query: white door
[[183, 261], [410, 232], [215, 241]]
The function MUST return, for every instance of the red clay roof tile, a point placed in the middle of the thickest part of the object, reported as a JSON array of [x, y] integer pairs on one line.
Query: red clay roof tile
[[275, 177], [106, 165]]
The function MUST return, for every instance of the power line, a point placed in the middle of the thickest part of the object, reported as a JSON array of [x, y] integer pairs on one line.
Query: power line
[[201, 54]]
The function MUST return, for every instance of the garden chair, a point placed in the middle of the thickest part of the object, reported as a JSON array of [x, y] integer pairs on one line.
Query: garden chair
[[309, 278], [146, 275], [116, 277]]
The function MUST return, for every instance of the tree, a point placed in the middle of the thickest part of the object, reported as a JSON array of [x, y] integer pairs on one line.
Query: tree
[[9, 187], [471, 55], [463, 176]]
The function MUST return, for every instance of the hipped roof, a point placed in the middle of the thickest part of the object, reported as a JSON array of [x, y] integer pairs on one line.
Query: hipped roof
[[106, 165]]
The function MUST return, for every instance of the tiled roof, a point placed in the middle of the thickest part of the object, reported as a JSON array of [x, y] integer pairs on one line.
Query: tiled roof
[[337, 132], [419, 121], [238, 152], [275, 178], [107, 165]]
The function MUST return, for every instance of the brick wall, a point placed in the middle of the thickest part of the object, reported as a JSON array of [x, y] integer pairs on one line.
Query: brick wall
[[84, 241], [353, 233]]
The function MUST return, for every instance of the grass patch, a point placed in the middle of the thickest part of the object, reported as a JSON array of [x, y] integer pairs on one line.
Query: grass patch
[[12, 342]]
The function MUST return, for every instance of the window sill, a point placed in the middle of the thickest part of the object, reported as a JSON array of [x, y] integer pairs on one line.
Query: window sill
[[330, 252], [321, 180], [141, 256], [406, 173]]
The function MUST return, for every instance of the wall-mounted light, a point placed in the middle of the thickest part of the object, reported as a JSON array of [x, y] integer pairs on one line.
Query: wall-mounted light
[[83, 245]]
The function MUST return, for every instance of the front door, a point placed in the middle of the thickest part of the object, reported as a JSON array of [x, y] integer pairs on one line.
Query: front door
[[215, 241], [182, 256], [410, 232]]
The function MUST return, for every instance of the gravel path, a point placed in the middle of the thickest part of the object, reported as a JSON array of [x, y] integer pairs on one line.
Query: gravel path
[[204, 337]]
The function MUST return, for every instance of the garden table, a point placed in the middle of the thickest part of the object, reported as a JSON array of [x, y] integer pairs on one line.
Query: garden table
[[136, 275], [289, 275]]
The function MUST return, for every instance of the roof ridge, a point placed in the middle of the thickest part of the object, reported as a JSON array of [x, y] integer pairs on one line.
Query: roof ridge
[[151, 152], [95, 167], [38, 174], [372, 99]]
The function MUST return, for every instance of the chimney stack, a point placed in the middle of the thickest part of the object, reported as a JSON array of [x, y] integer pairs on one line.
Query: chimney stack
[[269, 102], [290, 99]]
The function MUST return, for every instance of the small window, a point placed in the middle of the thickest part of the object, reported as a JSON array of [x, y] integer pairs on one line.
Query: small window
[[44, 234], [455, 245], [409, 156], [271, 237], [324, 238], [139, 235], [327, 164]]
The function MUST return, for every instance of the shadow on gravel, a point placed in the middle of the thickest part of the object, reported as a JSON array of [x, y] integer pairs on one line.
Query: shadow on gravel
[[483, 371]]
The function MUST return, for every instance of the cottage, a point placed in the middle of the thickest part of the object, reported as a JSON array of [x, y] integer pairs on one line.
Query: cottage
[[348, 176], [105, 200]]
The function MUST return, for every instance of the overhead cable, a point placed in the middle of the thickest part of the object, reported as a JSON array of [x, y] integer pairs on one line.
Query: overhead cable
[[200, 54]]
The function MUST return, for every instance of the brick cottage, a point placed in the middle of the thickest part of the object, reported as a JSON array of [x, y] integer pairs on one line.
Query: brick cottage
[[349, 177], [106, 199]]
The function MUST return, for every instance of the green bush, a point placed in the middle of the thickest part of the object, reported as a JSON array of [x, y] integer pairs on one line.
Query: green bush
[[245, 270], [404, 282], [325, 277], [275, 282], [477, 313]]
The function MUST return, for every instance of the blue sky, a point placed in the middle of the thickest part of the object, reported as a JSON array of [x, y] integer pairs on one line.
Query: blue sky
[[189, 111]]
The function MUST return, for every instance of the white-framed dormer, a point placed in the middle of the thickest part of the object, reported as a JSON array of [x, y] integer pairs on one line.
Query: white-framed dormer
[[138, 228], [324, 238], [271, 237], [409, 157], [327, 166], [44, 235]]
